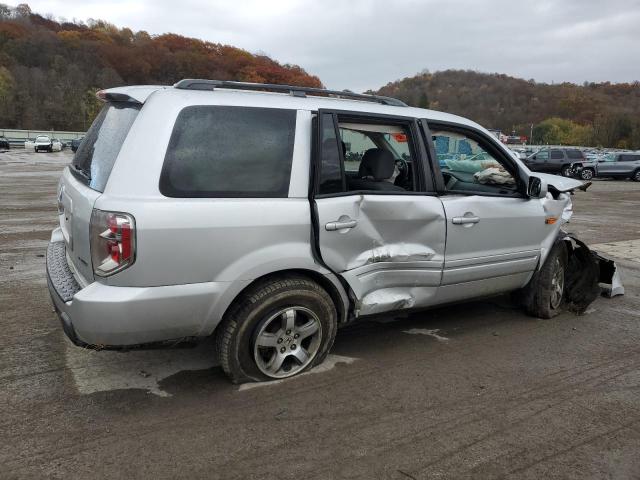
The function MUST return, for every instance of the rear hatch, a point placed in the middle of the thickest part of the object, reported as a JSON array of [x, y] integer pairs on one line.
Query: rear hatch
[[85, 179]]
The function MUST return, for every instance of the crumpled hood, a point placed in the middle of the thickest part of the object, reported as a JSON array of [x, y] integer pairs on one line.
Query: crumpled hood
[[562, 184]]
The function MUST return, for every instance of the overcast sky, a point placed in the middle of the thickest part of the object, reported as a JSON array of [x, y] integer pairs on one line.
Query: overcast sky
[[361, 44]]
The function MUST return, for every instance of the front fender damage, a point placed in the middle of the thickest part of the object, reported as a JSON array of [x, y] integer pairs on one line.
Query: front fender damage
[[586, 272]]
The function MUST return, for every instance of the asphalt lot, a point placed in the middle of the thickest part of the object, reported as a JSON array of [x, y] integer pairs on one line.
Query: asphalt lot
[[474, 391]]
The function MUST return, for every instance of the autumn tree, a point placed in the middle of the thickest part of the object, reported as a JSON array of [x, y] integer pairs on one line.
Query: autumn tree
[[50, 70]]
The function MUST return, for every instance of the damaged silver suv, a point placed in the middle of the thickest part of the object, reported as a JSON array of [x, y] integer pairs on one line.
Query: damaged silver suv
[[269, 215]]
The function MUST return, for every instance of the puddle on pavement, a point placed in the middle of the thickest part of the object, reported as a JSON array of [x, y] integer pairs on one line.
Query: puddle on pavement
[[100, 371]]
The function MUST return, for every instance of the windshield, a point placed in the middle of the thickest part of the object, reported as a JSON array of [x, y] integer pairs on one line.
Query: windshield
[[100, 146], [42, 139]]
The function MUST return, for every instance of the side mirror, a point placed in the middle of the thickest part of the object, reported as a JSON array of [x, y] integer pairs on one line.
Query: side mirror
[[537, 188]]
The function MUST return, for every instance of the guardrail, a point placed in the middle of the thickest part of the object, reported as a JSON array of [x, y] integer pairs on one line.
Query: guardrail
[[18, 137]]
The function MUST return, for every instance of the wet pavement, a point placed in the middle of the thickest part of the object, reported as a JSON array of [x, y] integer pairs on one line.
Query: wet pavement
[[471, 391]]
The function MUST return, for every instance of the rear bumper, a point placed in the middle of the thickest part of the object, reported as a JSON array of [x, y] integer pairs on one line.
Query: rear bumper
[[123, 317]]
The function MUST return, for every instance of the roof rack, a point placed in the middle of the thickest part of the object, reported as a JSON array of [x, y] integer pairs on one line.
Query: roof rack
[[201, 84]]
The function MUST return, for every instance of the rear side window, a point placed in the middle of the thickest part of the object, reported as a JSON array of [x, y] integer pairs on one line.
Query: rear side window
[[574, 154], [221, 151], [99, 149]]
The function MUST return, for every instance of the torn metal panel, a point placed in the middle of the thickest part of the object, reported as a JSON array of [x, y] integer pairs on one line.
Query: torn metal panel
[[609, 276], [559, 208], [397, 252], [384, 300], [586, 271], [561, 184]]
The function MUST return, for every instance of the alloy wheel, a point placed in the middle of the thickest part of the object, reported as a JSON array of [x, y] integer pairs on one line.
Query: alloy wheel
[[557, 284], [287, 342], [586, 174]]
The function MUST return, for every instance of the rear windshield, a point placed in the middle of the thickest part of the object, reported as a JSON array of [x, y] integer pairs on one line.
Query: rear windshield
[[221, 151], [100, 146]]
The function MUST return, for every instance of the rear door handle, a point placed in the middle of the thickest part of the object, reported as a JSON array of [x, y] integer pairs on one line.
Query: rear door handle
[[340, 225], [464, 220]]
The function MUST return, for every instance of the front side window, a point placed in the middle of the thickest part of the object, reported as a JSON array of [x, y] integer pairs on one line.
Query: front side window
[[222, 151], [361, 156], [467, 166], [629, 158], [556, 155]]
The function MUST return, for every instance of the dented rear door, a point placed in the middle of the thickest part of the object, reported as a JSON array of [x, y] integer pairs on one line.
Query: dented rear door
[[388, 247], [392, 257]]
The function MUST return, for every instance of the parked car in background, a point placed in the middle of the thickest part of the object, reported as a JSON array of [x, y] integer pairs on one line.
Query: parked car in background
[[4, 144], [620, 165], [43, 143], [567, 162], [57, 145], [407, 208], [75, 143]]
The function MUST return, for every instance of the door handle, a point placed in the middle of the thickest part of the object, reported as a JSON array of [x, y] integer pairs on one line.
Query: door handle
[[464, 220], [340, 225]]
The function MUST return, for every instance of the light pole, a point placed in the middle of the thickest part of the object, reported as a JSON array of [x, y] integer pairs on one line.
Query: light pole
[[531, 136]]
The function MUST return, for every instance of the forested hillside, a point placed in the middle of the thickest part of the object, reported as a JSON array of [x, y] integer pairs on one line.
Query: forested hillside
[[595, 114], [50, 70]]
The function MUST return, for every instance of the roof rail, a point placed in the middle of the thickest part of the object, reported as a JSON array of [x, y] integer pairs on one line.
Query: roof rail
[[201, 84]]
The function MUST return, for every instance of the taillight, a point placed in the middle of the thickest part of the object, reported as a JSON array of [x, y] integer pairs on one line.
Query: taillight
[[113, 242]]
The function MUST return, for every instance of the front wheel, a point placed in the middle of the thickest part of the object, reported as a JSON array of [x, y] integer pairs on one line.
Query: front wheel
[[544, 296], [586, 174], [276, 330]]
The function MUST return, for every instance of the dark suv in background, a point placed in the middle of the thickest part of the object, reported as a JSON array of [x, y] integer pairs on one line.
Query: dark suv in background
[[564, 161]]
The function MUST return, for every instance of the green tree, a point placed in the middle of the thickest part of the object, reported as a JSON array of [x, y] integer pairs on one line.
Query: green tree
[[424, 100]]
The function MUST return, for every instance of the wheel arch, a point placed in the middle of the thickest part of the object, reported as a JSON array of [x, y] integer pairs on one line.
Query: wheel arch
[[329, 282]]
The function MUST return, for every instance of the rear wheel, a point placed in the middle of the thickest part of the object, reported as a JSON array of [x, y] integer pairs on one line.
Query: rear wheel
[[544, 296], [636, 176], [566, 171], [278, 329], [586, 174]]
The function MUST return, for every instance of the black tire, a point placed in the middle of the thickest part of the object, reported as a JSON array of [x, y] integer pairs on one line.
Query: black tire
[[566, 171], [587, 174], [636, 176], [236, 335], [36, 150], [538, 297]]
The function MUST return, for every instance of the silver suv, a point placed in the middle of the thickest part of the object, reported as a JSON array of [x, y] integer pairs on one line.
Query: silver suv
[[269, 215], [620, 165]]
